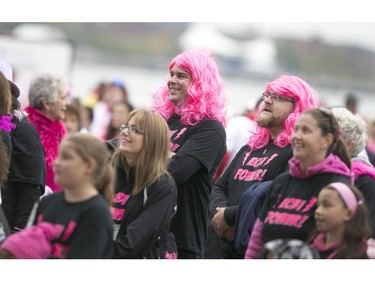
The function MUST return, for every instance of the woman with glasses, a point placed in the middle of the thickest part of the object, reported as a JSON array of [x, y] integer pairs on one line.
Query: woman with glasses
[[145, 193], [319, 158], [264, 157]]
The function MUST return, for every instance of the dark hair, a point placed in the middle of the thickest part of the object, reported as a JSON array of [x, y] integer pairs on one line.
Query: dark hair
[[15, 103], [111, 131], [75, 109], [114, 83], [356, 231], [351, 98], [329, 125], [90, 112]]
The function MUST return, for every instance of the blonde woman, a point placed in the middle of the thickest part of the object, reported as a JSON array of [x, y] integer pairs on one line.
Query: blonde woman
[[145, 193]]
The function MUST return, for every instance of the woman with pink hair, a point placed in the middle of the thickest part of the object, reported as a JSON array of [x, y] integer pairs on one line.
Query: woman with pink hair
[[264, 157], [194, 105]]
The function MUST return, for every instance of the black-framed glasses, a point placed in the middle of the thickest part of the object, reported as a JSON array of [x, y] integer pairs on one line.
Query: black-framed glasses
[[327, 112], [132, 129], [275, 97]]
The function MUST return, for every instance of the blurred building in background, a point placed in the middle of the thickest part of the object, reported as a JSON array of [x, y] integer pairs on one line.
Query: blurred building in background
[[335, 57]]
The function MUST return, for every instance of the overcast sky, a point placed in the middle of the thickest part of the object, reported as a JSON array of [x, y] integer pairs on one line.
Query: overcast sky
[[357, 34], [337, 21]]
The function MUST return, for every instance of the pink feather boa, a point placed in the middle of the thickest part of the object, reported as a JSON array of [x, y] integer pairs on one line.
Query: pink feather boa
[[51, 133], [6, 123]]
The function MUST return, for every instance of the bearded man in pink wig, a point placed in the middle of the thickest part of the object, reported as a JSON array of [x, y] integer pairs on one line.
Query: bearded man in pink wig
[[264, 157]]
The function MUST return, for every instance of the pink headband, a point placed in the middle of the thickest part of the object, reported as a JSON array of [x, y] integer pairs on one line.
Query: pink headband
[[347, 195]]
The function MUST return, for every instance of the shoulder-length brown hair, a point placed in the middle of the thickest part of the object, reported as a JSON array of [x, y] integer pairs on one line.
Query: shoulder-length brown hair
[[154, 156]]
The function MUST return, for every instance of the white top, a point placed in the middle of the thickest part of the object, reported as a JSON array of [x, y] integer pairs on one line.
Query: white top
[[238, 132]]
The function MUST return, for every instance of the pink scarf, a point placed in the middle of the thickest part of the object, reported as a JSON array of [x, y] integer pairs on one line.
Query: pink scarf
[[51, 133]]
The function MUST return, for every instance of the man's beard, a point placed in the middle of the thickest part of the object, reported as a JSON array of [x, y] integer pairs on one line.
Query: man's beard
[[265, 121], [269, 121]]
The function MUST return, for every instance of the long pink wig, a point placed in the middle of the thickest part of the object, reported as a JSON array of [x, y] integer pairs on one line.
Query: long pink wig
[[305, 97], [205, 98]]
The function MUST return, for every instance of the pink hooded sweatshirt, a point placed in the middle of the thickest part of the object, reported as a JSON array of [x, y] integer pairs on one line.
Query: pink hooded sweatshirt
[[331, 164]]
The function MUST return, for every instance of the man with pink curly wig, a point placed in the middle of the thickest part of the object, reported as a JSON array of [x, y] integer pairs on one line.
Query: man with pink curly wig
[[264, 157], [194, 105]]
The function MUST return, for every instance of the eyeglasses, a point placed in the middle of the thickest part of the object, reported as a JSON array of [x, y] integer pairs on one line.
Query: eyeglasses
[[132, 129], [276, 98], [327, 112]]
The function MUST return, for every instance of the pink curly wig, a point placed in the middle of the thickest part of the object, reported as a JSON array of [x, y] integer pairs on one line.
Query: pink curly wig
[[206, 97], [305, 97]]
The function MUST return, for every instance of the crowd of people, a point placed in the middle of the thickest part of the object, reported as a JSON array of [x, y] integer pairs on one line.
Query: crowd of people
[[101, 179]]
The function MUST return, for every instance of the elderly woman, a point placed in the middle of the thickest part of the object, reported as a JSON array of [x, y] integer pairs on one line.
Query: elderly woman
[[47, 105], [354, 132], [319, 158]]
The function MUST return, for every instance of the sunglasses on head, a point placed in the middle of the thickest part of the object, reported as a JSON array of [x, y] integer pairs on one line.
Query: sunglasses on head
[[327, 112]]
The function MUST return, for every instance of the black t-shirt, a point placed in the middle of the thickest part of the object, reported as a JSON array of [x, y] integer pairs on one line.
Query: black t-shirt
[[366, 185], [142, 222], [27, 161], [199, 151], [288, 211], [245, 169], [90, 221]]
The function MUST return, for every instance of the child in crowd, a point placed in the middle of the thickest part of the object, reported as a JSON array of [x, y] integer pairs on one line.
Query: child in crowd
[[86, 119], [120, 113], [75, 222], [342, 219], [72, 120]]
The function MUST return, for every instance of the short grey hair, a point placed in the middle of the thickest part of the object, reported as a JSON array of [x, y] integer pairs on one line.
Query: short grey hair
[[44, 87], [354, 128]]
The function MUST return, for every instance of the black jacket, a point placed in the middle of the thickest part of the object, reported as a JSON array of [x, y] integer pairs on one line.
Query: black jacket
[[144, 226]]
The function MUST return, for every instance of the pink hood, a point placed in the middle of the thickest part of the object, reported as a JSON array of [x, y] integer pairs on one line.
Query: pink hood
[[361, 168], [331, 164]]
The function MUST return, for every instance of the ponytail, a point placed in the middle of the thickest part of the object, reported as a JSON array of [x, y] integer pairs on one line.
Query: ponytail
[[339, 149]]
